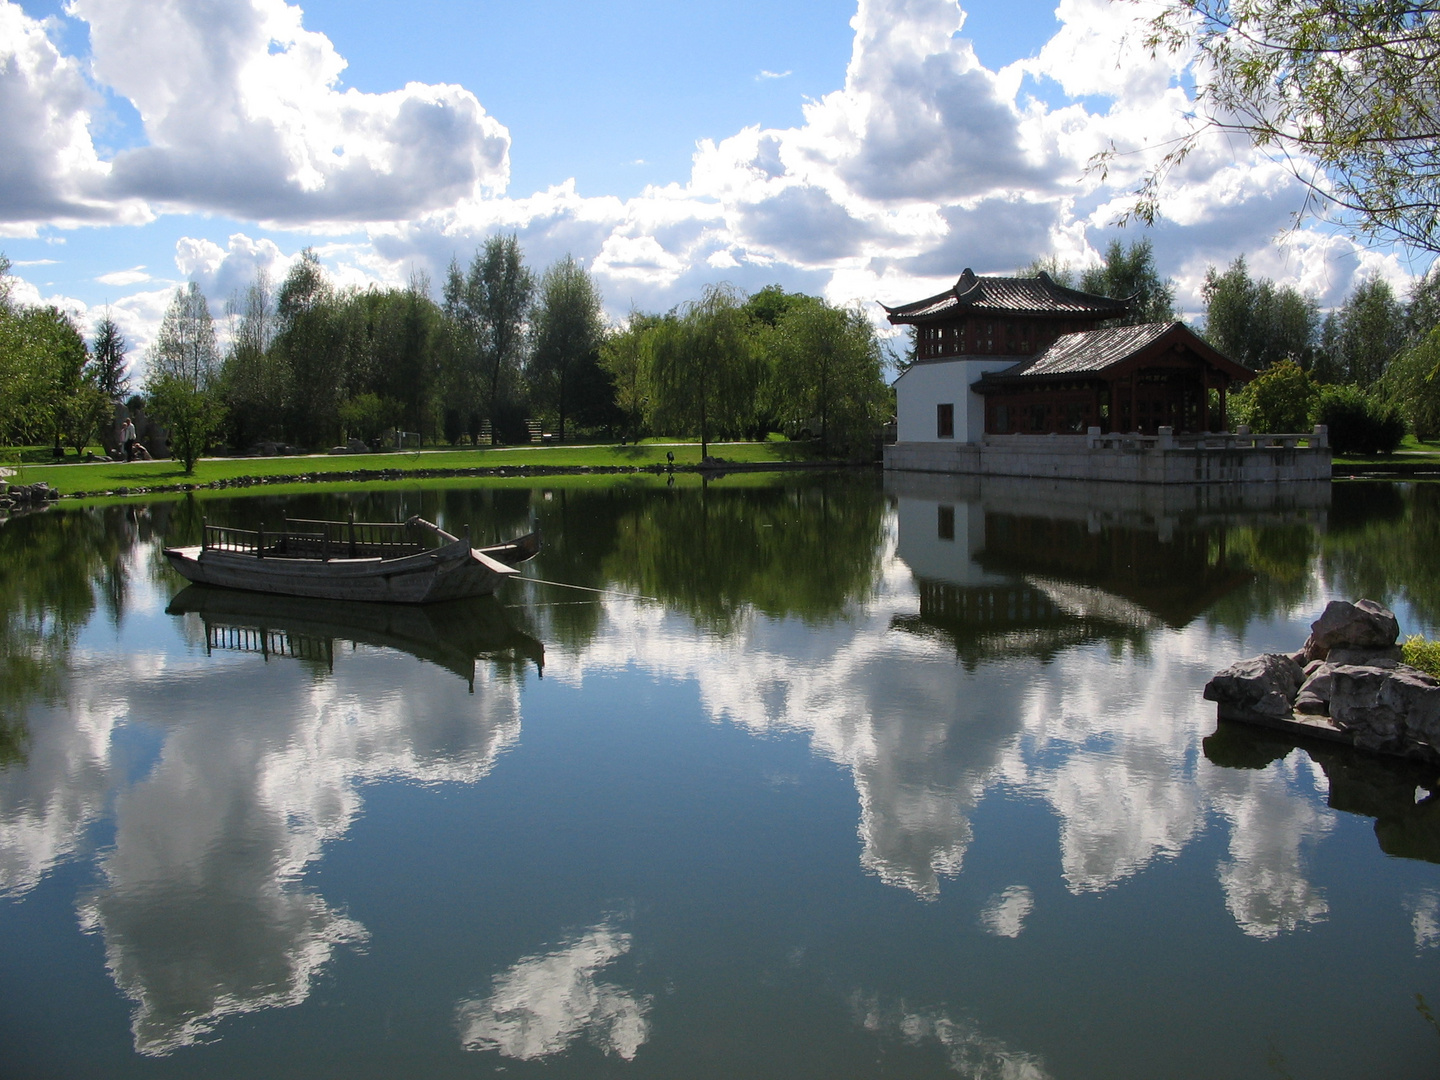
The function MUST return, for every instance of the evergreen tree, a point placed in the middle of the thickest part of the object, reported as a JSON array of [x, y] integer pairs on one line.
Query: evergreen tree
[[112, 374]]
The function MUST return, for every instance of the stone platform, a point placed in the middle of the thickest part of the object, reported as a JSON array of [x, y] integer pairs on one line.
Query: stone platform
[[1137, 459]]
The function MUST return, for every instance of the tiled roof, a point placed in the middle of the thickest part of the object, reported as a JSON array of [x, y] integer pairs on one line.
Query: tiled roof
[[1039, 295], [1088, 351]]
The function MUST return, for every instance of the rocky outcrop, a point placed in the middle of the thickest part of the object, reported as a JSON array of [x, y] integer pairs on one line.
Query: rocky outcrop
[[1352, 688], [21, 496]]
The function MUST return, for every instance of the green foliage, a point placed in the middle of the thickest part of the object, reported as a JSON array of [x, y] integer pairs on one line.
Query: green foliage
[[111, 372], [1258, 323], [569, 327], [1130, 272], [704, 369], [1411, 384], [1422, 654], [193, 416], [1277, 400], [1345, 93], [487, 311], [1357, 422], [1372, 330], [310, 341], [625, 357], [828, 374], [367, 416], [185, 347]]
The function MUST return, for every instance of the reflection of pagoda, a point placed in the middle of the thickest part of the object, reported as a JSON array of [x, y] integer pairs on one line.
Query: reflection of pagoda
[[1024, 567]]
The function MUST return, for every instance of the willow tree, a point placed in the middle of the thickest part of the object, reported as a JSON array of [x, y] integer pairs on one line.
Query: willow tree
[[1344, 93], [705, 370], [828, 371]]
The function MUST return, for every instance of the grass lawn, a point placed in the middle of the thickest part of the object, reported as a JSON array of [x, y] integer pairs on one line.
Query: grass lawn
[[1411, 452], [108, 476]]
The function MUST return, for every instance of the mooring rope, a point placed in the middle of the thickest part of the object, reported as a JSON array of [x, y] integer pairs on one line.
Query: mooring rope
[[586, 588]]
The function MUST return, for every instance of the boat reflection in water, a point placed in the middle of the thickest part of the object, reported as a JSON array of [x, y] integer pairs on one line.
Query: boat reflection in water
[[452, 635]]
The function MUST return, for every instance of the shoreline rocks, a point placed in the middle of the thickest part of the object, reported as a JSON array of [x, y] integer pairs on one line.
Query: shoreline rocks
[[1347, 684]]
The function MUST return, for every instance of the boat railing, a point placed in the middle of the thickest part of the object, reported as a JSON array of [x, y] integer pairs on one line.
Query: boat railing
[[224, 538], [303, 538]]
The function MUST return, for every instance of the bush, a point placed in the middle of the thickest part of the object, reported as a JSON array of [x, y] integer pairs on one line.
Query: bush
[[1358, 424], [1277, 400], [1422, 654]]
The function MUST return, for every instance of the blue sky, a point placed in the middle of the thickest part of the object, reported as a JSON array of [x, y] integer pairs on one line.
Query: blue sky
[[867, 150]]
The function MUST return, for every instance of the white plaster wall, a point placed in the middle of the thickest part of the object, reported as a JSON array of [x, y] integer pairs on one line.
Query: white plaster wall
[[926, 385], [921, 547]]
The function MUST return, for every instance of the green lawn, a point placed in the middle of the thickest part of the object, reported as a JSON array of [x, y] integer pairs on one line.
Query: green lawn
[[69, 479], [1412, 452]]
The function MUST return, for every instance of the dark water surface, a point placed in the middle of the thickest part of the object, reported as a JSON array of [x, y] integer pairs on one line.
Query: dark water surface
[[834, 778]]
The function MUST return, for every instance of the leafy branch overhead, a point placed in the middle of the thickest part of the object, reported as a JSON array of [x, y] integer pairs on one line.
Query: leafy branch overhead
[[1346, 93]]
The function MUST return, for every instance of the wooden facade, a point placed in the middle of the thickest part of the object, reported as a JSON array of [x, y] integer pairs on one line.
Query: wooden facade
[[1074, 369]]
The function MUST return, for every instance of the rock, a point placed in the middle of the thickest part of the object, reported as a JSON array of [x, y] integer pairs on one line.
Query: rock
[[1388, 657], [1361, 625], [1314, 696], [1387, 709], [1261, 684]]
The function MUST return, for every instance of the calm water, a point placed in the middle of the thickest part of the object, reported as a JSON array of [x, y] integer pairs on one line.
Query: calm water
[[834, 778]]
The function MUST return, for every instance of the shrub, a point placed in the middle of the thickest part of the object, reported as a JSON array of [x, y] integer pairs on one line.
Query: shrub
[[1277, 400], [1358, 424], [1422, 654]]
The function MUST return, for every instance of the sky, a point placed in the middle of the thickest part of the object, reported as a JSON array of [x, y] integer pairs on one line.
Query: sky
[[867, 151]]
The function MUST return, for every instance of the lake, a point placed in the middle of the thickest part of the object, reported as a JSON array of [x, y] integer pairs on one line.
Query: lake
[[805, 776]]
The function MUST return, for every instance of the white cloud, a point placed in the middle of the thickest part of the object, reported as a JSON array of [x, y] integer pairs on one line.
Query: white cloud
[[921, 162], [765, 75], [134, 276], [49, 170]]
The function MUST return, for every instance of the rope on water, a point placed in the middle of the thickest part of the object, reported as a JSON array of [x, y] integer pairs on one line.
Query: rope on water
[[586, 588]]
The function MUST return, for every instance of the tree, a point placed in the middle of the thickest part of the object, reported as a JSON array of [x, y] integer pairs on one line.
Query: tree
[[1422, 311], [829, 371], [254, 382], [569, 327], [310, 341], [184, 371], [185, 347], [1411, 384], [1346, 93], [111, 371], [487, 312], [1258, 323], [191, 415], [1130, 272], [625, 357], [1372, 332], [1280, 399], [704, 372]]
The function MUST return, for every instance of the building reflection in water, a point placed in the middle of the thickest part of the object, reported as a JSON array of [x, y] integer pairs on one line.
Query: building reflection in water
[[1008, 567]]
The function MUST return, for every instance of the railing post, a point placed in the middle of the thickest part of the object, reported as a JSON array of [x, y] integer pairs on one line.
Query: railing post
[[204, 532], [260, 542], [352, 534]]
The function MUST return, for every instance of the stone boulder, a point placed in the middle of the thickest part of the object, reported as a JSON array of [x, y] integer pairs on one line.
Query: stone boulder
[[1395, 709], [1363, 625], [1263, 685]]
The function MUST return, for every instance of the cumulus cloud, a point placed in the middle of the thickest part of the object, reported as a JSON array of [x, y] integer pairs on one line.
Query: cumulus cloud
[[920, 162], [49, 170]]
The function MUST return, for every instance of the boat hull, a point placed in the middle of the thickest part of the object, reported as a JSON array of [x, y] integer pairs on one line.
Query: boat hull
[[452, 572]]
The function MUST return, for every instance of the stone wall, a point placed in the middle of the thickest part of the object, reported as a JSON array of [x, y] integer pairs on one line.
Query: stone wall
[[1073, 457]]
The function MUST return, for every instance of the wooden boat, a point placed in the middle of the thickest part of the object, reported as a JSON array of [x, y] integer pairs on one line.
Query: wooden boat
[[452, 635], [351, 560]]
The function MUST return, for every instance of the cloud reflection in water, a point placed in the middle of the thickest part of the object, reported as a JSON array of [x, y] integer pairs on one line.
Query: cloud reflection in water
[[544, 1003]]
